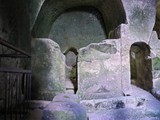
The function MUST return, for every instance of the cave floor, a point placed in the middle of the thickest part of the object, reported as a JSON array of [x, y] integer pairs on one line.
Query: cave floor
[[148, 111]]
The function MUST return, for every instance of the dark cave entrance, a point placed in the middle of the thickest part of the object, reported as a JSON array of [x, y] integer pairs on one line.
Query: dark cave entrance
[[141, 66]]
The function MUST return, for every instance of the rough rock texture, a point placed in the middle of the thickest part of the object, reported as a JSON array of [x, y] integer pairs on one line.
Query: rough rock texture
[[70, 83], [125, 114], [141, 105], [48, 66], [47, 14], [65, 97], [154, 44], [77, 28], [98, 105], [140, 17], [64, 107], [99, 70]]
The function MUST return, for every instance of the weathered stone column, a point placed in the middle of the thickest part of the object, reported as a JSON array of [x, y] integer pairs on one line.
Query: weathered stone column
[[141, 19], [48, 68], [154, 44], [99, 70]]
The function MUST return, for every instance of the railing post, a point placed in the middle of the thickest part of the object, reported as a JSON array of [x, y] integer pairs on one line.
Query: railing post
[[16, 84]]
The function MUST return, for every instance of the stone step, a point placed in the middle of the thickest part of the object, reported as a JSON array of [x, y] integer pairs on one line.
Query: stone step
[[112, 103], [125, 114]]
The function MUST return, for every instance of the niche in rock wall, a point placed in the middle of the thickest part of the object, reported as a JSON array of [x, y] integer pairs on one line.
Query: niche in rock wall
[[141, 66], [78, 27], [71, 70]]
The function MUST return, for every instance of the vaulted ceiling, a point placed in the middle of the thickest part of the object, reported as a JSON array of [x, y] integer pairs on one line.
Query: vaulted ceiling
[[112, 12]]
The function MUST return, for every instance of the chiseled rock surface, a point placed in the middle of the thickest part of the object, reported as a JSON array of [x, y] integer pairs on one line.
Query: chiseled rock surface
[[64, 107], [154, 44], [146, 108], [48, 67], [140, 17], [125, 114], [99, 70], [65, 97]]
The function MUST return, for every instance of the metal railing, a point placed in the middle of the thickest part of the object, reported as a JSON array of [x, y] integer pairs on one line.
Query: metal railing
[[17, 84], [17, 93]]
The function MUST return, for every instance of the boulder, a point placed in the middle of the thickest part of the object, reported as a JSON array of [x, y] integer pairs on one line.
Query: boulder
[[48, 67], [64, 107], [99, 70]]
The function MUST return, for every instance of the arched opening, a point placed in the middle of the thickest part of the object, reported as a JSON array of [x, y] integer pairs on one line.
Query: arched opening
[[71, 70], [51, 10], [78, 27], [141, 66]]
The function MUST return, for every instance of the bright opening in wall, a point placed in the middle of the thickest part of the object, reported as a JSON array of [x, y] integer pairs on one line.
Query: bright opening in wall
[[71, 70]]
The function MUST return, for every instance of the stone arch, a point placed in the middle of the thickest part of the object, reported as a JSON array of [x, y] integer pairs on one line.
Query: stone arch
[[78, 27], [112, 11], [74, 52], [141, 65]]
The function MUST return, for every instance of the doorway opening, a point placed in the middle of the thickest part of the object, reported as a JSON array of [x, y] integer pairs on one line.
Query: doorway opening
[[141, 66], [71, 70]]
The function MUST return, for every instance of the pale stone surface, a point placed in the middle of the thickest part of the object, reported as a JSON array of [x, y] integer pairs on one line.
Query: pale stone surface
[[64, 107], [141, 105], [125, 114], [140, 17], [154, 44], [48, 67], [96, 105], [99, 70], [65, 97]]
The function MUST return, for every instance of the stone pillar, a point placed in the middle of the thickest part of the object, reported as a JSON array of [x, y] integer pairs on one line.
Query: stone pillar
[[125, 63], [48, 68], [141, 19], [140, 16], [99, 70]]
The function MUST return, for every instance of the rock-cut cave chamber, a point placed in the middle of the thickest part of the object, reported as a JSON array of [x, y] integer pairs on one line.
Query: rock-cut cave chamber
[[99, 55], [89, 59]]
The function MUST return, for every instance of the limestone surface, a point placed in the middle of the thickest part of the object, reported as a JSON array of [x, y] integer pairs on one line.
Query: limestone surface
[[99, 70], [63, 107], [141, 105], [48, 66]]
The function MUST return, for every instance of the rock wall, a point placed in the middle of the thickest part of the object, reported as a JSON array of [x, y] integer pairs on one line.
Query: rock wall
[[99, 70], [112, 12], [155, 57], [48, 68], [77, 28], [35, 6]]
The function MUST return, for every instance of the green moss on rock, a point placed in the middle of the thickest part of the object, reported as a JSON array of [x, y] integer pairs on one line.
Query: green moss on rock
[[156, 63]]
